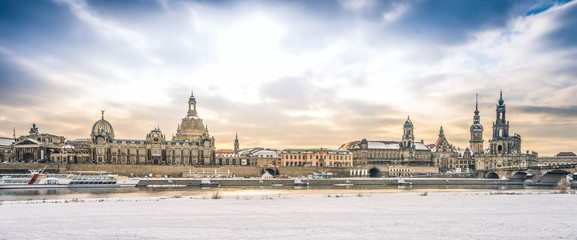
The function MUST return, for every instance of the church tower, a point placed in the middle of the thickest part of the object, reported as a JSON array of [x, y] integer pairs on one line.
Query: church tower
[[191, 128], [191, 105], [501, 125], [408, 137], [236, 144], [476, 142], [502, 142]]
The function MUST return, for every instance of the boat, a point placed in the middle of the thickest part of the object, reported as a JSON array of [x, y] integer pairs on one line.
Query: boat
[[166, 186], [346, 184], [401, 182], [299, 183], [80, 179], [206, 183]]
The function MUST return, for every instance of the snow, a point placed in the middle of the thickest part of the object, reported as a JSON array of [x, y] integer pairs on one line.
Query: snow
[[382, 145], [6, 141], [270, 215], [421, 146]]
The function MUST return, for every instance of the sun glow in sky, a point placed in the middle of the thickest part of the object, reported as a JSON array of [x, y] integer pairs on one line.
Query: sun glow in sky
[[291, 73]]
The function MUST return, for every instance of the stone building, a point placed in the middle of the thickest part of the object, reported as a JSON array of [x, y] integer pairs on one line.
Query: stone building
[[504, 148], [448, 158], [6, 150], [36, 147], [192, 145], [228, 157], [476, 130], [316, 158], [262, 157], [384, 153]]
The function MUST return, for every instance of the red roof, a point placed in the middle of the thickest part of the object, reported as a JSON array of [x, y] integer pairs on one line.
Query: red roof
[[437, 143]]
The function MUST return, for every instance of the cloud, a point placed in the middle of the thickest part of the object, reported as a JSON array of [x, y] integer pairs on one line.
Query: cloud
[[565, 112], [398, 10], [564, 34], [451, 22], [287, 74], [356, 5]]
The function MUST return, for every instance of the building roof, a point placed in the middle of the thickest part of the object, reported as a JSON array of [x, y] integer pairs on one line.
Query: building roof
[[382, 145], [6, 141], [565, 154], [260, 152], [316, 150]]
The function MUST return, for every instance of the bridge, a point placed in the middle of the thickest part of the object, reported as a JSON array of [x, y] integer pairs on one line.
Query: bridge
[[546, 174]]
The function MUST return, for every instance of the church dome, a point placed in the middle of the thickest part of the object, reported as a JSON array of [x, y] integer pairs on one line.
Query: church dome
[[102, 127], [408, 123], [476, 127]]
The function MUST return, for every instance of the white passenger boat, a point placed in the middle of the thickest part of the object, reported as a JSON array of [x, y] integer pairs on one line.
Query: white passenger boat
[[401, 182], [80, 179]]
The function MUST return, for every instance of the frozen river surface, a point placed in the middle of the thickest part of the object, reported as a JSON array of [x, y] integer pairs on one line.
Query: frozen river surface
[[439, 215]]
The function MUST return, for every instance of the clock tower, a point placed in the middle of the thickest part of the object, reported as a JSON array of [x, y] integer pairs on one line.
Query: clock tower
[[476, 130]]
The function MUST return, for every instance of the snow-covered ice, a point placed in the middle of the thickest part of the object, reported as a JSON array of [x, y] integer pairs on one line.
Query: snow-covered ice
[[439, 215]]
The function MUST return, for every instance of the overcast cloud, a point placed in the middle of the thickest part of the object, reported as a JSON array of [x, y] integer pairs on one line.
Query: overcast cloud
[[291, 73]]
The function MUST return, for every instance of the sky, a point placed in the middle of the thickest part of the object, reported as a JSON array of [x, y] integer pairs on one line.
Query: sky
[[285, 74]]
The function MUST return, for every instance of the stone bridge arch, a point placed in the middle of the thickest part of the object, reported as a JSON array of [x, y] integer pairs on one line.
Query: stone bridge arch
[[492, 175], [553, 177], [519, 176], [374, 172]]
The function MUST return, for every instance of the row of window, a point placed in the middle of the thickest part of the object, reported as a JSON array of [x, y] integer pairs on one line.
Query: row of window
[[92, 182], [391, 155], [90, 178], [304, 157], [14, 181], [16, 176], [309, 164]]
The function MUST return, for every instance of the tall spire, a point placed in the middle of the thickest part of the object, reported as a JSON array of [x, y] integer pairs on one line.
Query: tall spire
[[476, 118], [477, 104], [441, 132], [236, 144], [14, 132], [501, 101]]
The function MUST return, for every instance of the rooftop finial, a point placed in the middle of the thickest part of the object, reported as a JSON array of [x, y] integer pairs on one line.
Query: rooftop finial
[[102, 113], [477, 102], [501, 101]]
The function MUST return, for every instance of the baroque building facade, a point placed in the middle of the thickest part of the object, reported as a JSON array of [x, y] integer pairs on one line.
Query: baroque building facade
[[316, 158], [192, 145], [504, 148], [406, 152], [36, 146], [449, 158]]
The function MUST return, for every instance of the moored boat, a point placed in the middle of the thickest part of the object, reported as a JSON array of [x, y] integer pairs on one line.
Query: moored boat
[[299, 183], [88, 179]]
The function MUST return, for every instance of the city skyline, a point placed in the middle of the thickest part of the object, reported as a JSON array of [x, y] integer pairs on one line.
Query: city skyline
[[291, 74]]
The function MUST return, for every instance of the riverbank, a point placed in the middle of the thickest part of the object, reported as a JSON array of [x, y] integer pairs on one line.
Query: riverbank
[[232, 182], [299, 215]]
